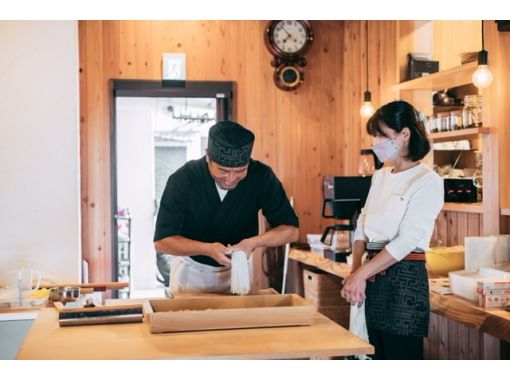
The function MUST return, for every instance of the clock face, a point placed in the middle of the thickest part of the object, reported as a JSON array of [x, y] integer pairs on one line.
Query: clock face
[[289, 36]]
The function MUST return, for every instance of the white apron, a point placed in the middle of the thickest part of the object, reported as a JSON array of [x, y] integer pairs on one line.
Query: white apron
[[190, 276]]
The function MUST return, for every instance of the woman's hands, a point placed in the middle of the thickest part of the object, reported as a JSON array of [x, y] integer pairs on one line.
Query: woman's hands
[[355, 285], [354, 288]]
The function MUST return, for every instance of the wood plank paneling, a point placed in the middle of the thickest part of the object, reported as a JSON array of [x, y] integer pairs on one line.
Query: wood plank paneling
[[453, 339], [447, 44], [441, 230], [302, 135], [449, 339], [95, 175], [474, 343], [452, 227], [463, 334], [497, 114], [442, 338], [452, 235], [433, 338]]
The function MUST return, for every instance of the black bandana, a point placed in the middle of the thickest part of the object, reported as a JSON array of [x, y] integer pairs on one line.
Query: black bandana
[[230, 144]]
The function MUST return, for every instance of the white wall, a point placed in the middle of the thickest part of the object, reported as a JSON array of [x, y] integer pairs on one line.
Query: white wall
[[39, 148]]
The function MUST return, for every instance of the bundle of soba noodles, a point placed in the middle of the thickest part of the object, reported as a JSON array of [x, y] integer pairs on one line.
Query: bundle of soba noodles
[[240, 273]]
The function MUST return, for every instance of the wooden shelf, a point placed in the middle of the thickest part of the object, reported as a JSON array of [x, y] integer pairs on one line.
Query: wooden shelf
[[454, 77], [460, 134], [475, 207]]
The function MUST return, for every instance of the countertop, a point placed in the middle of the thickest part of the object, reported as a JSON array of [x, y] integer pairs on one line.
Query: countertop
[[323, 339], [490, 320]]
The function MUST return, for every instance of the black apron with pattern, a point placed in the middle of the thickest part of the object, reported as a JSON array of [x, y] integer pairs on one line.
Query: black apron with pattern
[[397, 302]]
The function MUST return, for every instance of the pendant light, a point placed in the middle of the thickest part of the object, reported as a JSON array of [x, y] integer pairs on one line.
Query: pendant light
[[482, 77], [367, 109]]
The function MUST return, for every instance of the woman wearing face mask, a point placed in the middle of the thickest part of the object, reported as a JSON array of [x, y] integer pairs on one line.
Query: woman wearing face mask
[[395, 228]]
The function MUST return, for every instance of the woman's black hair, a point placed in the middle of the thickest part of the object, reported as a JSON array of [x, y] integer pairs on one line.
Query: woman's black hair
[[398, 115]]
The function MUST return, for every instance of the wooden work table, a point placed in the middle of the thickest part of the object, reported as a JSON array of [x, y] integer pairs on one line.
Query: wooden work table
[[485, 321], [323, 339]]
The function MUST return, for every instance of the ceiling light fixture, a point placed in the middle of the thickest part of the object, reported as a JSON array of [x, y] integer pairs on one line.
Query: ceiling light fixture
[[367, 109], [482, 77]]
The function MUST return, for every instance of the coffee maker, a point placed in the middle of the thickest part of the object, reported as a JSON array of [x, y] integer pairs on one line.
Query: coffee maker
[[343, 199]]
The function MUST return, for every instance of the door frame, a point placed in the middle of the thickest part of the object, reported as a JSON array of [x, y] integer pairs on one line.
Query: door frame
[[222, 91]]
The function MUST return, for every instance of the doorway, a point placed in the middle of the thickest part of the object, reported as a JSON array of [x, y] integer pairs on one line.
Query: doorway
[[156, 128]]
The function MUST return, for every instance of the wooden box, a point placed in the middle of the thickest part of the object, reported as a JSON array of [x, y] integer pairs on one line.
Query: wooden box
[[228, 312], [338, 314], [322, 289]]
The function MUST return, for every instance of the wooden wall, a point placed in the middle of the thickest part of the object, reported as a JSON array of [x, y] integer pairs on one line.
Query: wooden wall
[[303, 135], [448, 45], [449, 339], [497, 111], [452, 227]]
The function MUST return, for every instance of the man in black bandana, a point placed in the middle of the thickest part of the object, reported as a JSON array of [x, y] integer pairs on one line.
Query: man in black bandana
[[209, 208]]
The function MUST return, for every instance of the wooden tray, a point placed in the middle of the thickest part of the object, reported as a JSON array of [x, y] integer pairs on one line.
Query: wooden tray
[[229, 312]]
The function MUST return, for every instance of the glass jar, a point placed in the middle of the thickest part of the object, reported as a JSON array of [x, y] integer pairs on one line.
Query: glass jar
[[443, 121], [472, 113], [366, 163], [456, 120], [430, 125]]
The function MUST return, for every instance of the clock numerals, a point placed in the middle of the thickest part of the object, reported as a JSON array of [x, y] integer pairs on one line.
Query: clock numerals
[[289, 36]]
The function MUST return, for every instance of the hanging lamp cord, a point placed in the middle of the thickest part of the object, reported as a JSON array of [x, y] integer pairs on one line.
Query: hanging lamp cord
[[482, 37], [366, 46]]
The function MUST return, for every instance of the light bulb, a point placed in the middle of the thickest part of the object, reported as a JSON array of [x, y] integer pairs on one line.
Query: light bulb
[[367, 110], [482, 77]]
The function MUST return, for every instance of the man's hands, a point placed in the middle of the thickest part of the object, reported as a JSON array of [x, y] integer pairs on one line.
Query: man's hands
[[245, 245], [275, 237], [219, 252]]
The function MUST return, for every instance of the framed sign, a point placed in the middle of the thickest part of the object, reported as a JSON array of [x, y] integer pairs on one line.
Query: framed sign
[[174, 66]]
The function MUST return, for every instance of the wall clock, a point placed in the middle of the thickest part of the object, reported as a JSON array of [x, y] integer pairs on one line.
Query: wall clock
[[288, 41]]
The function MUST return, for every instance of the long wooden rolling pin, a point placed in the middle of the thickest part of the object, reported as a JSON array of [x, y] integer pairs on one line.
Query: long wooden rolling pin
[[97, 286]]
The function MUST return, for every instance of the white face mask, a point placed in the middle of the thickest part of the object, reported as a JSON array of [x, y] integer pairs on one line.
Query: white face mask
[[386, 150]]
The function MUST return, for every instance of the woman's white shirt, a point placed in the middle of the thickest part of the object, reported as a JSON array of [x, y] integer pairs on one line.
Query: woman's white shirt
[[401, 209]]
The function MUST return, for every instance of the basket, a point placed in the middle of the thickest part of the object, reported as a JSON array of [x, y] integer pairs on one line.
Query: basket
[[323, 291]]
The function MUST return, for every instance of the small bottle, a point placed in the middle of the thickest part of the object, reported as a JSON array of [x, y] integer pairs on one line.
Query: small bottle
[[431, 124], [472, 113]]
